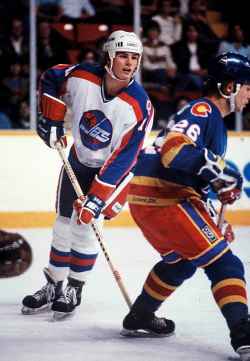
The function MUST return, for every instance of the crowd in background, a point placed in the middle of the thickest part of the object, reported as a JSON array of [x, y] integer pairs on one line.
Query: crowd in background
[[178, 37]]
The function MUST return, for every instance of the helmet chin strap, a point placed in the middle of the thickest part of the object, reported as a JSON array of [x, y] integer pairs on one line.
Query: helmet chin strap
[[232, 103], [110, 71], [231, 96]]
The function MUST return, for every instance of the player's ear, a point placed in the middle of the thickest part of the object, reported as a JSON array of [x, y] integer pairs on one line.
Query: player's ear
[[229, 88]]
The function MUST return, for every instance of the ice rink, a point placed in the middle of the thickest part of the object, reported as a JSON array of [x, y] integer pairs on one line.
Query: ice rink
[[93, 333]]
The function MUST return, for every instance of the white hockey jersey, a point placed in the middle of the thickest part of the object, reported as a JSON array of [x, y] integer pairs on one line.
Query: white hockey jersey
[[107, 132]]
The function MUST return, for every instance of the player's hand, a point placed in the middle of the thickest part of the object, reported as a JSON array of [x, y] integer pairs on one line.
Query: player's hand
[[50, 121], [230, 191], [88, 208], [225, 181], [51, 132], [228, 232], [213, 167], [229, 197]]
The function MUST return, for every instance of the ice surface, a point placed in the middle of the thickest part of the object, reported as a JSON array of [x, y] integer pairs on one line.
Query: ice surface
[[93, 333]]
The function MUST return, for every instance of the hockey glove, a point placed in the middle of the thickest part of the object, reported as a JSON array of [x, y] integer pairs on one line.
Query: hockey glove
[[51, 132], [228, 232], [229, 196], [228, 190], [225, 181], [92, 205], [50, 121], [88, 208], [213, 167]]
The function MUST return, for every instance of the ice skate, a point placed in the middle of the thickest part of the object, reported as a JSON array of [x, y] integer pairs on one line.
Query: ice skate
[[65, 305], [244, 353], [240, 339], [41, 300], [146, 325]]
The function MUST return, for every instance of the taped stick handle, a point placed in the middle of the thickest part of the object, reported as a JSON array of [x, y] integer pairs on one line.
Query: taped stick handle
[[78, 190]]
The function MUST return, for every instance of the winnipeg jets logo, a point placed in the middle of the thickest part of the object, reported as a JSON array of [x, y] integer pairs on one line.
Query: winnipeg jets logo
[[95, 130]]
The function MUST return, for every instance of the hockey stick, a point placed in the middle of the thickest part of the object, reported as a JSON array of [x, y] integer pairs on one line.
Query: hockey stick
[[221, 216], [77, 188]]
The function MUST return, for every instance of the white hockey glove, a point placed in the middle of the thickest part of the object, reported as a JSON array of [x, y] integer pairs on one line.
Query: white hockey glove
[[225, 181]]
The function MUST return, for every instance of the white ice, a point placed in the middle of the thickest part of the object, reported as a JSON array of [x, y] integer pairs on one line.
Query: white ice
[[93, 333]]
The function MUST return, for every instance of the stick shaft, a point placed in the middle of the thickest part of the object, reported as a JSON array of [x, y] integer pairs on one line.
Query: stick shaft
[[78, 190], [221, 216]]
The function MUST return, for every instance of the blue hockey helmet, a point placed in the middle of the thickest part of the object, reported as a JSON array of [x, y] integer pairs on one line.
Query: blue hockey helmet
[[230, 67]]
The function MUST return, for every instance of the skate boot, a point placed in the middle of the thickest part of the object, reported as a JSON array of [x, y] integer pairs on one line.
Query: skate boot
[[70, 298], [240, 339], [146, 324], [43, 298]]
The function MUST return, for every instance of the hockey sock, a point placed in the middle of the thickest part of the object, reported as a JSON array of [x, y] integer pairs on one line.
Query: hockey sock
[[229, 288], [161, 282], [81, 263]]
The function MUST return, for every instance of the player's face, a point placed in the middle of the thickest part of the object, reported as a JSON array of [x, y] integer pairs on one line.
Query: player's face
[[243, 97], [124, 65]]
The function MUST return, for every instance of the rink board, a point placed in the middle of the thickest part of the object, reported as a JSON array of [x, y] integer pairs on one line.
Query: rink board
[[29, 172]]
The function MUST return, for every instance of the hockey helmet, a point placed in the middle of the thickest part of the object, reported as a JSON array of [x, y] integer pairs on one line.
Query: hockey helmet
[[121, 41], [230, 67], [15, 254]]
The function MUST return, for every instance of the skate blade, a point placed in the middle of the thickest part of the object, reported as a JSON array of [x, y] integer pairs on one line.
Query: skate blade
[[143, 334], [35, 311], [244, 353], [62, 316]]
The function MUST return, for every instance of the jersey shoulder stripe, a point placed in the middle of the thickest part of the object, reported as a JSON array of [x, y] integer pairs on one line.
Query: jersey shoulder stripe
[[90, 72], [60, 66], [136, 96], [83, 74], [134, 103]]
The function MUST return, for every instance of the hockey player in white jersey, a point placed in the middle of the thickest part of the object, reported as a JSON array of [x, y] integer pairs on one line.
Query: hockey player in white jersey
[[111, 115]]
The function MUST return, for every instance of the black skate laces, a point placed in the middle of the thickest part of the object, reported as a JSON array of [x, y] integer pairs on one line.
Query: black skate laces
[[47, 291], [68, 296], [159, 323]]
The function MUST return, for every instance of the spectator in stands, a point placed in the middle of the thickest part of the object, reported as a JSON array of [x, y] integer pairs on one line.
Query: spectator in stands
[[114, 11], [15, 44], [190, 56], [5, 122], [23, 117], [184, 5], [51, 47], [148, 9], [17, 87], [233, 12], [49, 10], [235, 42], [158, 65], [197, 15], [169, 21], [88, 55], [12, 9], [179, 103], [74, 11]]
